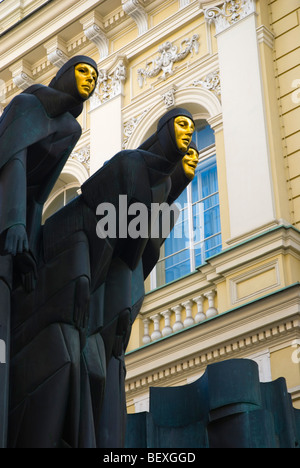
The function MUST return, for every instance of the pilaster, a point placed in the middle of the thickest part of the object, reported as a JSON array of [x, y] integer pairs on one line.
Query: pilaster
[[106, 113], [247, 153]]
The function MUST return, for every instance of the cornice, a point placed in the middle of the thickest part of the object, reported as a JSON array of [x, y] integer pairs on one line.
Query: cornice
[[156, 34], [44, 28], [41, 27], [240, 332]]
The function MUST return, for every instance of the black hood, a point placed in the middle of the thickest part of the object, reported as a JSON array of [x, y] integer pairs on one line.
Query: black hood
[[62, 94], [163, 141]]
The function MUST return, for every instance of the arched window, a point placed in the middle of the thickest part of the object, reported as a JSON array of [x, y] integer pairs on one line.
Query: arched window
[[64, 191], [197, 233]]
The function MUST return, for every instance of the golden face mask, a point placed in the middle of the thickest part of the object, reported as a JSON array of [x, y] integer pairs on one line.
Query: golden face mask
[[86, 77], [190, 162], [184, 129]]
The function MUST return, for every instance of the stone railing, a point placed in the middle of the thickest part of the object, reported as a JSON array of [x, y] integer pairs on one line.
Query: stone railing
[[180, 316]]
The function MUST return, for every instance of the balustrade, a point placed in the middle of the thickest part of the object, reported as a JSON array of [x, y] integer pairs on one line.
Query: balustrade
[[197, 310]]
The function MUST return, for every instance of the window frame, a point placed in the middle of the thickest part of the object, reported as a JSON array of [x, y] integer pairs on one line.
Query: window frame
[[205, 154], [62, 190]]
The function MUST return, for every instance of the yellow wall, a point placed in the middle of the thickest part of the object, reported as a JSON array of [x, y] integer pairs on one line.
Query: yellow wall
[[286, 362], [285, 25]]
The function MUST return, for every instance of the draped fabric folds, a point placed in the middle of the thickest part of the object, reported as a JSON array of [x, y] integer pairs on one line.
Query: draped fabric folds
[[89, 291]]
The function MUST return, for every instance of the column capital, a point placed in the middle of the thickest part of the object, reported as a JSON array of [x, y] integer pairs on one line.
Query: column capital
[[228, 12]]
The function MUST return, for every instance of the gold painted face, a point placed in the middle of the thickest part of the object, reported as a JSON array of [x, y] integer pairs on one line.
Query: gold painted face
[[184, 129], [190, 162], [86, 77]]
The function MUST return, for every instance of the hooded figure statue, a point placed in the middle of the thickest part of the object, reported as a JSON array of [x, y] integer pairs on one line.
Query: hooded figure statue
[[38, 131], [151, 174], [89, 290]]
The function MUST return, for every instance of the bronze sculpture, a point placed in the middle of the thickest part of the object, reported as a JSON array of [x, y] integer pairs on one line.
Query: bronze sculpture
[[68, 297], [38, 131], [88, 292]]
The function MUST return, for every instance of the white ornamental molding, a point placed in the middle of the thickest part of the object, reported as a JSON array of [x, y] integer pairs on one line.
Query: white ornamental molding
[[229, 13], [22, 75], [184, 3], [169, 97], [56, 52], [211, 82], [83, 155], [98, 37], [93, 30], [57, 57], [134, 9], [131, 125], [110, 83], [23, 81], [168, 55]]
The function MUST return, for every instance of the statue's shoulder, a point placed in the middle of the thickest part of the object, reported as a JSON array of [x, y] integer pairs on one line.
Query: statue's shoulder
[[20, 105], [129, 155], [24, 100]]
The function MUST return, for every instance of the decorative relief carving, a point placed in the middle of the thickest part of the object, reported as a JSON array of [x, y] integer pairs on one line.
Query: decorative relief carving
[[229, 13], [211, 82], [131, 125], [168, 55], [110, 83], [169, 97], [83, 155]]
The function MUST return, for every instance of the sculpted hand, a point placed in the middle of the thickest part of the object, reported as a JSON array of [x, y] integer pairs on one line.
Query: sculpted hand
[[26, 266], [16, 240], [17, 245]]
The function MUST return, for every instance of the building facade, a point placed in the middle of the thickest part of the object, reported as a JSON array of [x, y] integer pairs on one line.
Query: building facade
[[227, 283]]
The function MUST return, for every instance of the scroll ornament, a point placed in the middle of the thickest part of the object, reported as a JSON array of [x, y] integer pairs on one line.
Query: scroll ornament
[[168, 55]]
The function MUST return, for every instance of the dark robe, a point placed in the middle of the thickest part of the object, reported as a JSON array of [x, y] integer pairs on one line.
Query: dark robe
[[163, 181], [38, 131], [78, 319]]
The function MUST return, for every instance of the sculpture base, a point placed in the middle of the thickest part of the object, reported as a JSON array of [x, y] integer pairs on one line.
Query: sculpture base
[[228, 407]]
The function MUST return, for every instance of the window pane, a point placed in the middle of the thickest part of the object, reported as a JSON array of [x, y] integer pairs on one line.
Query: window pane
[[71, 194], [207, 248], [205, 181], [173, 267], [179, 236], [56, 205], [197, 234], [204, 136]]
